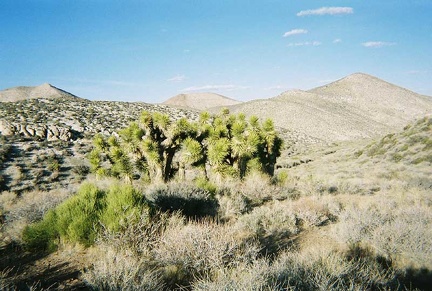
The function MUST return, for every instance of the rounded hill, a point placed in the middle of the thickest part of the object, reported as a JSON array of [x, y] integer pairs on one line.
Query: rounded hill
[[200, 101], [45, 90]]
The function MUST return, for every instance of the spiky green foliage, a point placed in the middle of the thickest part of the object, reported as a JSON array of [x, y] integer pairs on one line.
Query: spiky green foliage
[[227, 144], [234, 146]]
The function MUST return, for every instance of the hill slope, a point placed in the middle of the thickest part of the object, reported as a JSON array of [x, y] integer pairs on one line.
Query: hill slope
[[43, 91], [200, 101], [358, 106]]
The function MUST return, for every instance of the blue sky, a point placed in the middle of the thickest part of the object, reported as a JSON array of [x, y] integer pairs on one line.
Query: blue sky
[[151, 50]]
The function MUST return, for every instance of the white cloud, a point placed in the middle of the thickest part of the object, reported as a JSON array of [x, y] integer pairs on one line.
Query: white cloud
[[377, 44], [307, 43], [277, 87], [177, 78], [228, 87], [295, 31], [327, 10], [337, 40]]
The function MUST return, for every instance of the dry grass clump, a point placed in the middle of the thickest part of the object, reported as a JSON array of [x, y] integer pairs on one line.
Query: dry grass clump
[[196, 249], [316, 269], [396, 225], [273, 219], [167, 252], [240, 197], [5, 284], [118, 269], [19, 211]]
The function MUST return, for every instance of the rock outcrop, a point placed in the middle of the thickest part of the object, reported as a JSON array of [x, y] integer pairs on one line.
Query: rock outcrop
[[48, 132]]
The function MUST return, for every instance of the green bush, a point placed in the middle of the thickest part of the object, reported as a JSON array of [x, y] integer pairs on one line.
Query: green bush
[[124, 205], [42, 234], [79, 218]]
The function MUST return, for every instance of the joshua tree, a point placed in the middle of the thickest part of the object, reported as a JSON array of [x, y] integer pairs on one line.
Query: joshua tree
[[229, 145], [232, 146]]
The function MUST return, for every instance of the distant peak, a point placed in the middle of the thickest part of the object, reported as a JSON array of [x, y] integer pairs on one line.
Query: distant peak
[[46, 85], [360, 75]]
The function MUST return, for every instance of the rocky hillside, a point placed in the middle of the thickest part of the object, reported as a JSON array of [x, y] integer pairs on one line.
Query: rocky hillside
[[358, 106], [43, 91], [44, 142], [200, 101], [68, 119]]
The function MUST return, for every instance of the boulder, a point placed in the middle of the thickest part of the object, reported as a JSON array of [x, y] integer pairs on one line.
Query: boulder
[[6, 128], [48, 132]]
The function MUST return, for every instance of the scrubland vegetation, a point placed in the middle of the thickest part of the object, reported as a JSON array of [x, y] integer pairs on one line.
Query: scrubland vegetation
[[216, 217]]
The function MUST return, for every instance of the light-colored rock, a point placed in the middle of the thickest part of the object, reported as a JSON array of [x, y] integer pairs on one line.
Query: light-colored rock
[[50, 132], [6, 128]]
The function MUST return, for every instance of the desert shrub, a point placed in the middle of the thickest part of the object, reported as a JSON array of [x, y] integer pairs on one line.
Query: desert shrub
[[190, 200], [5, 151], [273, 219], [203, 183], [79, 218], [311, 270], [123, 206], [28, 207], [256, 187], [281, 178], [166, 251], [187, 251], [42, 235], [232, 204], [118, 269], [425, 158], [398, 226], [330, 270], [81, 170], [243, 276], [5, 282]]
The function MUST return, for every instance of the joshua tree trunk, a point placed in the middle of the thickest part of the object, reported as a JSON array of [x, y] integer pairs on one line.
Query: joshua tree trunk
[[168, 158]]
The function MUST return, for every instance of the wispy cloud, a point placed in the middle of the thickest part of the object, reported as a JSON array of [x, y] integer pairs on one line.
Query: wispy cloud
[[294, 32], [177, 79], [377, 44], [277, 87], [327, 11], [337, 40], [228, 87], [306, 43]]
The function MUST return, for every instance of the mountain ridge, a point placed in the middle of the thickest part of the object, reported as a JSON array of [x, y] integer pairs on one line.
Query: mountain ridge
[[200, 101], [356, 106], [44, 90]]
